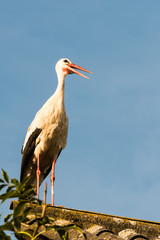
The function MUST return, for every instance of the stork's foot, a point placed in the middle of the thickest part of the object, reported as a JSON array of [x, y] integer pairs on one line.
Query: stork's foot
[[52, 181]]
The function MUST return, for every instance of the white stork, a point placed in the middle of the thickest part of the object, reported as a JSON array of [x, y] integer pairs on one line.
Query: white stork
[[47, 134]]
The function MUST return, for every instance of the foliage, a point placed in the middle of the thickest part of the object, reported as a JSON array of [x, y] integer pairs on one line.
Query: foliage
[[26, 206]]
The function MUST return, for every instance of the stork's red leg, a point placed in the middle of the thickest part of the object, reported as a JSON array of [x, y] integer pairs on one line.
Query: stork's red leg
[[38, 173], [52, 181]]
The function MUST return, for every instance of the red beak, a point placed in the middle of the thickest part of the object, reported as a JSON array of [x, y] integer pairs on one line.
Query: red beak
[[72, 67]]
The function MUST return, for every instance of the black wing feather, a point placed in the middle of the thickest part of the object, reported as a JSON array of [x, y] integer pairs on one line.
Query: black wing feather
[[28, 150]]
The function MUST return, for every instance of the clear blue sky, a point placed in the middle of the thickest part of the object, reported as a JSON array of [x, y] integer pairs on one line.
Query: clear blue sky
[[112, 160]]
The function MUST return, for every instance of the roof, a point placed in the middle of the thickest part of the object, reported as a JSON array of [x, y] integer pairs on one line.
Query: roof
[[97, 226]]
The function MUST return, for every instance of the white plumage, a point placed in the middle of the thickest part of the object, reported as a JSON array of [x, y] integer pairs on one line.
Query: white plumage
[[47, 134]]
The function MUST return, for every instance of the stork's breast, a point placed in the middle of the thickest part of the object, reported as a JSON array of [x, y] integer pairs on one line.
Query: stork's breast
[[54, 135]]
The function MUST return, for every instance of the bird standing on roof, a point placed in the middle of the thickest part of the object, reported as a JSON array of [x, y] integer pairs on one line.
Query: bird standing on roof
[[47, 134]]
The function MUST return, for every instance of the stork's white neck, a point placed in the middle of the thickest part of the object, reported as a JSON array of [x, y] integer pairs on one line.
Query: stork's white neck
[[59, 94], [61, 82]]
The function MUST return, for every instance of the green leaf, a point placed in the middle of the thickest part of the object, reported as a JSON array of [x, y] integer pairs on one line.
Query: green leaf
[[18, 209], [5, 176], [29, 192], [10, 188], [7, 217], [1, 180], [7, 238], [2, 186], [7, 227], [4, 236], [11, 194], [15, 181], [17, 222], [24, 183]]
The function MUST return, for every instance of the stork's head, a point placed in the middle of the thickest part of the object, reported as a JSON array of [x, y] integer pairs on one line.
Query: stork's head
[[65, 66]]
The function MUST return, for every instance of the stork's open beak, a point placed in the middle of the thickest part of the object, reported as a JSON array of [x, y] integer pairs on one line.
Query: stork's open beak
[[73, 66]]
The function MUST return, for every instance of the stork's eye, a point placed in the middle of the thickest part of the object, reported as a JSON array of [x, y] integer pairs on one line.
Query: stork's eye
[[66, 61]]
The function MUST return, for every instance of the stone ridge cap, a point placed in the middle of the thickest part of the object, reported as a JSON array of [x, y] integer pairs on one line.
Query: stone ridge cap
[[13, 203], [107, 215]]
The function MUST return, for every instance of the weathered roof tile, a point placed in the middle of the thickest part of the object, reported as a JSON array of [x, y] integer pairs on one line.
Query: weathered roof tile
[[97, 226]]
